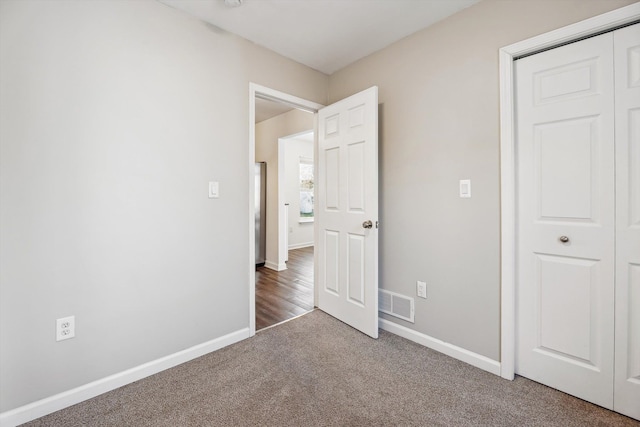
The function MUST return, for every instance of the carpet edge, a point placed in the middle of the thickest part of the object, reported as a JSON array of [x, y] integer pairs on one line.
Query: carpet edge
[[48, 405], [464, 355]]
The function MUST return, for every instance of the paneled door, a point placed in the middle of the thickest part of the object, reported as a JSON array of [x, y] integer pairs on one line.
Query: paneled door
[[566, 225], [578, 261], [627, 348], [347, 211]]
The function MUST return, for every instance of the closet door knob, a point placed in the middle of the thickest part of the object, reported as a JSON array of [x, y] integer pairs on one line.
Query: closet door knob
[[564, 239], [367, 224]]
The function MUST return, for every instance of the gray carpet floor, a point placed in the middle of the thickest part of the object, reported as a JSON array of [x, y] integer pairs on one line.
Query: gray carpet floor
[[316, 371]]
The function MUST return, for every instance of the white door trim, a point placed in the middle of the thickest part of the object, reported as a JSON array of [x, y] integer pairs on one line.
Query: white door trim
[[577, 31], [256, 90]]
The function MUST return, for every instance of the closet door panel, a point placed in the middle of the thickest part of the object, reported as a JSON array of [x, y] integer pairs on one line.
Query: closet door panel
[[627, 317], [566, 221]]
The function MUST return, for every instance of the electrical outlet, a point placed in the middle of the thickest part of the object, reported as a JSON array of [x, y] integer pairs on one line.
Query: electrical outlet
[[65, 328], [421, 288]]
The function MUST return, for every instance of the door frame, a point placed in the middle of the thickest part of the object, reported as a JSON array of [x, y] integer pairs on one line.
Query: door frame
[[263, 92], [283, 214], [283, 228], [574, 32]]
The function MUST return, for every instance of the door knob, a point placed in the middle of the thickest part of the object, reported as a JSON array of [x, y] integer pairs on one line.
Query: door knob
[[367, 224], [564, 239]]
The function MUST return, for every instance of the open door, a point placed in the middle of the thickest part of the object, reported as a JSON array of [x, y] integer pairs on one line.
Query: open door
[[347, 211]]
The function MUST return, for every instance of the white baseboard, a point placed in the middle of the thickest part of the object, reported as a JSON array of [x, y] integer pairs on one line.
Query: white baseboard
[[71, 397], [275, 266], [456, 352], [300, 245]]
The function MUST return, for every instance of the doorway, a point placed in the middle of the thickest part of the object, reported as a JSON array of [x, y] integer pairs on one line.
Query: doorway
[[346, 209], [284, 284], [281, 289]]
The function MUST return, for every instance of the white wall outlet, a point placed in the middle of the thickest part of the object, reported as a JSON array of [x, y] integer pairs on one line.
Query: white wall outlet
[[421, 288], [65, 328]]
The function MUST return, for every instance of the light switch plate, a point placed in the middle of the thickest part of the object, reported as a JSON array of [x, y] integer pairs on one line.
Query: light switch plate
[[465, 188], [214, 190], [421, 289]]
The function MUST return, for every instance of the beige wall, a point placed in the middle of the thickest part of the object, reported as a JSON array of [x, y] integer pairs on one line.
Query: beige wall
[[439, 123], [267, 134], [114, 115]]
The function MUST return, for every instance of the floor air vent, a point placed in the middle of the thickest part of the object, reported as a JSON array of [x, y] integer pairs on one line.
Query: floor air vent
[[396, 305]]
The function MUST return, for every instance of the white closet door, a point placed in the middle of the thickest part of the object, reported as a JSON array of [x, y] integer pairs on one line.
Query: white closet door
[[627, 74], [565, 260]]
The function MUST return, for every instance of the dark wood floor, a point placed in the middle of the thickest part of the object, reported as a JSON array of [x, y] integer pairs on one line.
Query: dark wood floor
[[281, 295]]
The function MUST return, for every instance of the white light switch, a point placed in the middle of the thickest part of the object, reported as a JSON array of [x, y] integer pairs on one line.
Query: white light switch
[[421, 288], [213, 190], [465, 188]]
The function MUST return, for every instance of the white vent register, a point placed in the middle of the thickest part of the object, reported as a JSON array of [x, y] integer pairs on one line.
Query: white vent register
[[397, 305]]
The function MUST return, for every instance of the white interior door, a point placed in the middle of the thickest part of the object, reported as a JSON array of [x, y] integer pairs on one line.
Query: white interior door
[[347, 211], [565, 219], [627, 336]]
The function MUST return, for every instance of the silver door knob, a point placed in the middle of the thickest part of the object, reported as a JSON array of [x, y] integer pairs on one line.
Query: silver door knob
[[367, 224], [564, 239]]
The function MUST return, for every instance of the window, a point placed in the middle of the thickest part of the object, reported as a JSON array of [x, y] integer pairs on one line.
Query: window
[[306, 189]]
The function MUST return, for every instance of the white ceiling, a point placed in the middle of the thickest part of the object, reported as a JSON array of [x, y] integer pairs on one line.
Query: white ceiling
[[326, 35]]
